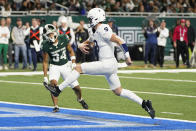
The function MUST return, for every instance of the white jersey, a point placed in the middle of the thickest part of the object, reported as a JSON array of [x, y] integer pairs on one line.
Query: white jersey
[[101, 37]]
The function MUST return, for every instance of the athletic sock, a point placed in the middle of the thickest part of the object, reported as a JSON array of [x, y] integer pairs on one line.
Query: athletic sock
[[131, 96], [70, 79]]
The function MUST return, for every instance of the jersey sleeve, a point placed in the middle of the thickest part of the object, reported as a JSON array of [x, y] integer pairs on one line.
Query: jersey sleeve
[[106, 32]]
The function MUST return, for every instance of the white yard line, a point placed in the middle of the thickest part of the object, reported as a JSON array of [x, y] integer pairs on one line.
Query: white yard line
[[158, 79], [157, 71], [128, 77], [119, 71], [172, 113], [92, 88]]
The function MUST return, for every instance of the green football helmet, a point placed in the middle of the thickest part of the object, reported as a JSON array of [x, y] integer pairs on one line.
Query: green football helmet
[[48, 29]]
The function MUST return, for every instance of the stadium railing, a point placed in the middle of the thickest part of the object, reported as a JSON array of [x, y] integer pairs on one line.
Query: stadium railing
[[119, 14]]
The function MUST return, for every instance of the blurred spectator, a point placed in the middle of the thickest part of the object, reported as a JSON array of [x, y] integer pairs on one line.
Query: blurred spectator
[[181, 42], [27, 41], [113, 26], [129, 6], [162, 40], [10, 46], [171, 32], [81, 35], [4, 40], [27, 5], [191, 35], [151, 35], [18, 36], [54, 23], [65, 29], [43, 3], [6, 11], [17, 4], [53, 6], [81, 6], [35, 42]]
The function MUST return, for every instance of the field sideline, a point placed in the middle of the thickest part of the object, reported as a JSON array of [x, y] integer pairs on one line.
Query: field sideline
[[173, 94]]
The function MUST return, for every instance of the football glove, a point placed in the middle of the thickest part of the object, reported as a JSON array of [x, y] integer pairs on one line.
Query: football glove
[[46, 80], [73, 66]]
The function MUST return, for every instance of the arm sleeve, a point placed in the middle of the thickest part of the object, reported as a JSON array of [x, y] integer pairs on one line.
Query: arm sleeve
[[174, 34]]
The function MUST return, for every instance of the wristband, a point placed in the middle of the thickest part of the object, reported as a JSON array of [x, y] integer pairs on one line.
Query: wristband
[[45, 77], [124, 47], [73, 57]]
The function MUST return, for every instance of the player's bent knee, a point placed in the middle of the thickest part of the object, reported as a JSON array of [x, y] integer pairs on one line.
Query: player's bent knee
[[117, 91], [53, 82], [77, 88]]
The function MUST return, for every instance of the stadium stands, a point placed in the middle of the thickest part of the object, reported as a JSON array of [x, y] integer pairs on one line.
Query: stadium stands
[[81, 6]]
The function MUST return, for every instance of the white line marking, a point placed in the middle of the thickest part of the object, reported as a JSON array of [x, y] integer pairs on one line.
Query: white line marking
[[99, 112], [172, 113], [157, 71], [158, 79], [21, 82], [92, 88], [142, 92], [21, 73], [119, 71]]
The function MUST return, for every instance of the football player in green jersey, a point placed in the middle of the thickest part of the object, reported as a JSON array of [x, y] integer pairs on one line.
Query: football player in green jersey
[[54, 50]]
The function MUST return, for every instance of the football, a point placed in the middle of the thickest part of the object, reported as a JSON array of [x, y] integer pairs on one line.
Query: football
[[90, 45]]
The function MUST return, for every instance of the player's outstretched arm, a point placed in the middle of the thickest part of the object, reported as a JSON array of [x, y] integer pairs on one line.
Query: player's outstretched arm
[[123, 45], [45, 66], [72, 55]]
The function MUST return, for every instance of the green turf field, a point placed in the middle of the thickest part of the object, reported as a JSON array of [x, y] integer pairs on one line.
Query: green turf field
[[177, 97]]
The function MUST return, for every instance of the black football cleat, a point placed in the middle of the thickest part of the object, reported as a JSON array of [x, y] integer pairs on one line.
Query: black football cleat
[[147, 105], [53, 89], [55, 109], [83, 103]]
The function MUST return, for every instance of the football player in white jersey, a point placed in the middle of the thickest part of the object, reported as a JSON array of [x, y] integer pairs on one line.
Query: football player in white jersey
[[103, 39]]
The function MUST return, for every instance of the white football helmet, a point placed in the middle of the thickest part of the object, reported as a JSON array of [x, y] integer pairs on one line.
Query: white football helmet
[[48, 29], [95, 16]]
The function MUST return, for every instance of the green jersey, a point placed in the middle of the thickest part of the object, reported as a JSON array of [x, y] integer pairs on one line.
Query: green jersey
[[57, 53]]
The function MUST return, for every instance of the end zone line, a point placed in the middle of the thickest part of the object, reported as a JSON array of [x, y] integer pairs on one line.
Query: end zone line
[[92, 88], [100, 112]]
